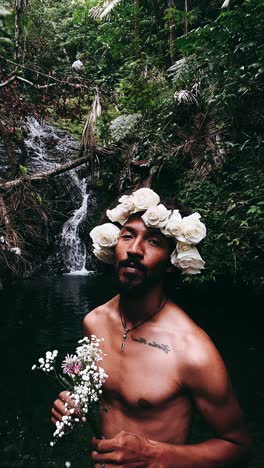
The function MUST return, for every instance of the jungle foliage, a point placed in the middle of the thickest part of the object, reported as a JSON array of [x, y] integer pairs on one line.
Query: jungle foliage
[[180, 84]]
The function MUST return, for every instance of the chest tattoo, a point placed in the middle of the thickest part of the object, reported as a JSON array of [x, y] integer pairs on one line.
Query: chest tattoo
[[163, 347]]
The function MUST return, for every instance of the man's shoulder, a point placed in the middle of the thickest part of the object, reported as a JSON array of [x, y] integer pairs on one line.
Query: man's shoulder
[[100, 313], [197, 347]]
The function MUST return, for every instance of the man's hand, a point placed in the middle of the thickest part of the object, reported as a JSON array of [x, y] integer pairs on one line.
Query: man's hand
[[59, 409], [126, 450]]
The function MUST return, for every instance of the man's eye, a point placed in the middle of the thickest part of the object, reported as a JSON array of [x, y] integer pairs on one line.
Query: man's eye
[[126, 236], [155, 242]]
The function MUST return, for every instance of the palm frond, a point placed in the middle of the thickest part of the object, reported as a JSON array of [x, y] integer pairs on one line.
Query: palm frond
[[4, 11], [226, 4], [185, 97], [178, 69], [101, 11], [203, 144], [88, 135]]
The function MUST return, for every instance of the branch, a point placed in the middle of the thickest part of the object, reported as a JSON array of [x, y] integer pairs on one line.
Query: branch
[[6, 83], [32, 70], [45, 174], [80, 83], [53, 172], [20, 78]]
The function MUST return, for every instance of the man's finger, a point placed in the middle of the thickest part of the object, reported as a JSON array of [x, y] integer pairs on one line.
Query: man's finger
[[60, 407], [104, 458], [65, 395], [56, 415], [105, 445]]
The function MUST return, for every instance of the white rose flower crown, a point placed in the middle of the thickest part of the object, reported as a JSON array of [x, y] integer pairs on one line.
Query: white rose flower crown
[[187, 231]]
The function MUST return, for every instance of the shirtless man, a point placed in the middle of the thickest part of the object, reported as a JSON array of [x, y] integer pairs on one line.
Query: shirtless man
[[160, 365]]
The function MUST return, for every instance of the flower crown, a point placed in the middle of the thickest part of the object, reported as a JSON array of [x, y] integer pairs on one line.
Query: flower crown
[[187, 231]]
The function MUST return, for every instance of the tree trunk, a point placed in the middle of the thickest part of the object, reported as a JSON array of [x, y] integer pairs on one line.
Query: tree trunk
[[171, 34], [136, 27], [17, 34], [186, 19]]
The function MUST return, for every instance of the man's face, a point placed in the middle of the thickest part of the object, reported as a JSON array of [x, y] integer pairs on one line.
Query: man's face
[[142, 256]]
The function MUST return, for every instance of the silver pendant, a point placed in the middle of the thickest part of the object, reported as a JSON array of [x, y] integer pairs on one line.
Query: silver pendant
[[124, 340]]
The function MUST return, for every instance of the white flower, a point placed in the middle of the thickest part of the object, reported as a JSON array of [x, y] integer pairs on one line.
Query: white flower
[[85, 378], [105, 235], [192, 230], [191, 271], [188, 231], [127, 203], [182, 247], [106, 254], [156, 216], [173, 225], [188, 259], [119, 214], [16, 250], [145, 198]]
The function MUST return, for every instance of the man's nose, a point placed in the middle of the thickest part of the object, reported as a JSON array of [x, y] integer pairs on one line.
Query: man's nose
[[136, 248]]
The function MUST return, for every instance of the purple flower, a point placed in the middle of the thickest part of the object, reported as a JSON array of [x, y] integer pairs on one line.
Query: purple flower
[[71, 365]]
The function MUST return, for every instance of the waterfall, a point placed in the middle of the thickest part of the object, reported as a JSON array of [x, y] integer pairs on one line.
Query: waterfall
[[73, 249], [47, 148]]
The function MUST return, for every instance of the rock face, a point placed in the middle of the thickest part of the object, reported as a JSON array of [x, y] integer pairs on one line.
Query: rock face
[[66, 201]]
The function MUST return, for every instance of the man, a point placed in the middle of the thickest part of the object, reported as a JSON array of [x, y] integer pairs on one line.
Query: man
[[160, 363]]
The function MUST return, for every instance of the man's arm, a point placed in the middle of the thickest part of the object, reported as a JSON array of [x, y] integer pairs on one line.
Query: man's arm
[[207, 379]]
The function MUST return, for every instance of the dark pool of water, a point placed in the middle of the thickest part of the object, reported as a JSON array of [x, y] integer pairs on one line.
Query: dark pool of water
[[46, 313]]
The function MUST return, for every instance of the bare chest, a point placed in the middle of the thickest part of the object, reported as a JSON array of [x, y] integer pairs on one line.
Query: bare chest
[[146, 373]]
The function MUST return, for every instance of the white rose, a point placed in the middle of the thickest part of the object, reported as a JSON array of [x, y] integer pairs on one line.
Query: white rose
[[193, 231], [182, 247], [191, 271], [188, 259], [173, 225], [105, 235], [105, 254], [127, 203], [156, 216], [118, 214], [144, 198]]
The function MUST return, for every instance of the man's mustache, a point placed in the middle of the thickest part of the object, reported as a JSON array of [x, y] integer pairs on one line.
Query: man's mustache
[[132, 263]]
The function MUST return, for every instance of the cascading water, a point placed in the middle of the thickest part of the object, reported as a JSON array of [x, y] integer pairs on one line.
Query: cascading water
[[47, 148], [73, 249]]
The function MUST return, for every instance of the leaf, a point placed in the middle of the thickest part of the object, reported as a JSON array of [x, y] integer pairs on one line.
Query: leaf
[[23, 170]]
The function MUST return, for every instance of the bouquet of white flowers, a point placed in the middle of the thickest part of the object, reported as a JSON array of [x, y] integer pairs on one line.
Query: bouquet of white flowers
[[82, 377]]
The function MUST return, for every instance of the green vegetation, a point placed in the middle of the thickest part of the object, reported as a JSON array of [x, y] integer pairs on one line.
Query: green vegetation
[[181, 90]]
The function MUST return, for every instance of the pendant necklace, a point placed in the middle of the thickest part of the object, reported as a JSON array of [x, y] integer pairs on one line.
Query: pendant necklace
[[127, 330]]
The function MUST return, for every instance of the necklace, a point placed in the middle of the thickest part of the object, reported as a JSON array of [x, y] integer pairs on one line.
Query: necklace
[[127, 330]]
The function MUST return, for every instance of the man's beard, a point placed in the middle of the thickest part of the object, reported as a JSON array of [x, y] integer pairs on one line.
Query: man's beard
[[147, 283]]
